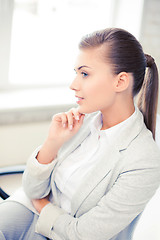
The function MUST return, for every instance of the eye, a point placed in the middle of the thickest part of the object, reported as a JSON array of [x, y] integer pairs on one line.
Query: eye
[[84, 74]]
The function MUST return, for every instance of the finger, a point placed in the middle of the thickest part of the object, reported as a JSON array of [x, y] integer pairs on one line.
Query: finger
[[82, 115], [76, 114], [78, 123], [81, 118], [64, 120], [61, 118], [70, 118]]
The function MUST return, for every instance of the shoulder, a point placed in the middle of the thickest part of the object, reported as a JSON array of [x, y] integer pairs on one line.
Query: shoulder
[[143, 151], [140, 163]]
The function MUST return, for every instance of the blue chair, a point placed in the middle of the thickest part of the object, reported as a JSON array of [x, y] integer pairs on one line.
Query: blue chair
[[11, 170]]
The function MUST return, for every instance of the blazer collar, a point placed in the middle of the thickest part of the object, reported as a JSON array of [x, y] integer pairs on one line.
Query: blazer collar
[[95, 176], [132, 130]]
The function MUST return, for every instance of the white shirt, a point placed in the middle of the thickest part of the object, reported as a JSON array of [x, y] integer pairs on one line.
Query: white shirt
[[77, 165]]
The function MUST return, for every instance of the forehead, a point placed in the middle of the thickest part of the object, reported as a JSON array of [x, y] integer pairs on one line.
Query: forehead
[[90, 57]]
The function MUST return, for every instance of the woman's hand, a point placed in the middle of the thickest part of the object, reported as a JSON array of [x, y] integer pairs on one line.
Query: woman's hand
[[63, 127], [39, 204]]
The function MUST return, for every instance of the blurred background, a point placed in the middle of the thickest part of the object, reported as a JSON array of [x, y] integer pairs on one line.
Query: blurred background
[[38, 46]]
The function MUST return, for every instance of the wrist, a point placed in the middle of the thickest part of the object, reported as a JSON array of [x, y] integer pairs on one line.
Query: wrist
[[39, 204], [48, 152]]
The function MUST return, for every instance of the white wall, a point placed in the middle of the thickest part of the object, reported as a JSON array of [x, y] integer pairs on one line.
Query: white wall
[[17, 142]]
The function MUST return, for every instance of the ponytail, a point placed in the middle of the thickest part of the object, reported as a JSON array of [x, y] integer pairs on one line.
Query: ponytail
[[148, 96]]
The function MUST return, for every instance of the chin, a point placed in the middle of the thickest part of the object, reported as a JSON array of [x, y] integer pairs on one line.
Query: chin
[[86, 110]]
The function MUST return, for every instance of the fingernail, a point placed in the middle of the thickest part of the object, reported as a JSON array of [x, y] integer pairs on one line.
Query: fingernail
[[70, 127], [64, 125], [77, 117]]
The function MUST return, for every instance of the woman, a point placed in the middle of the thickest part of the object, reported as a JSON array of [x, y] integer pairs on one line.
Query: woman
[[99, 165]]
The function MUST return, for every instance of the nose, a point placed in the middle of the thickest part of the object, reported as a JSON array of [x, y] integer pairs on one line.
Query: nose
[[75, 85]]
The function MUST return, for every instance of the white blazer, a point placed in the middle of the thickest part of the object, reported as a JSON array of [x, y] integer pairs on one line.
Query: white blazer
[[110, 197]]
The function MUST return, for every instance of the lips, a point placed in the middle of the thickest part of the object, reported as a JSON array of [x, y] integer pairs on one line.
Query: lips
[[79, 99]]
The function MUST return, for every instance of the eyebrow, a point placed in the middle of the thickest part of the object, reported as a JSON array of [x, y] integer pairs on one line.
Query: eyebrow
[[82, 67]]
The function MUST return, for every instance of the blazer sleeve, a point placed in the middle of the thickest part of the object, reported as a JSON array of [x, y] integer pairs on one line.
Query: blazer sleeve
[[36, 178], [125, 200]]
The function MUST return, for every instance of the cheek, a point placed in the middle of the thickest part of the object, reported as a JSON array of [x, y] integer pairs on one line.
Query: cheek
[[101, 91]]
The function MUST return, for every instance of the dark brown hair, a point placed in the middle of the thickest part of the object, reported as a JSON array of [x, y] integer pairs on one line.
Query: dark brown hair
[[125, 54]]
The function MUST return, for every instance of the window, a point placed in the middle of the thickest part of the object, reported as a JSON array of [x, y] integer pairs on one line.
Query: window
[[45, 35], [40, 37]]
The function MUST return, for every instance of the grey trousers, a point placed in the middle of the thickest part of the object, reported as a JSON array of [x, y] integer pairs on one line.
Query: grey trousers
[[17, 222]]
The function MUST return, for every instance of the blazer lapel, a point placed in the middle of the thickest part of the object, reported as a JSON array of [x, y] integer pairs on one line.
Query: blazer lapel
[[95, 176]]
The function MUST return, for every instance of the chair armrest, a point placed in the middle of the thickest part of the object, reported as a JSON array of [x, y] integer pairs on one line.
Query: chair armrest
[[18, 169]]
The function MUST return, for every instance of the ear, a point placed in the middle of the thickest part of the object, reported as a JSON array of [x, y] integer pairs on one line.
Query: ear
[[122, 82]]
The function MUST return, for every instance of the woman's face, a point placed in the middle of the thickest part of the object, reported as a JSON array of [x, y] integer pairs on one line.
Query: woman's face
[[94, 83]]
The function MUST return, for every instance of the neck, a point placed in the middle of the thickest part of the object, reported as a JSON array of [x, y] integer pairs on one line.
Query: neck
[[117, 114]]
